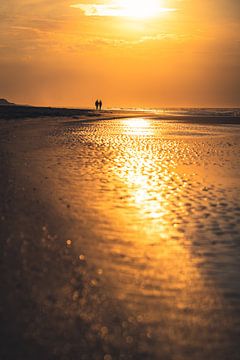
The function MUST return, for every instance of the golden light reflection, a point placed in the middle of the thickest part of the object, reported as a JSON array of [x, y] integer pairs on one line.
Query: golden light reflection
[[150, 180], [148, 226], [133, 215], [138, 126], [137, 123]]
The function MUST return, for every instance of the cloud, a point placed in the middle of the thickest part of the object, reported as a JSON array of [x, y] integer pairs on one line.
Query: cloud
[[140, 8], [98, 10], [126, 43]]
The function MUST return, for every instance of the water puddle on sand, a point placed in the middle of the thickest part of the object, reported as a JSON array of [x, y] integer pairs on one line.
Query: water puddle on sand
[[156, 209]]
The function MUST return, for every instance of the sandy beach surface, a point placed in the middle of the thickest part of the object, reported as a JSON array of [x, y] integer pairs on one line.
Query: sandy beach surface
[[120, 237]]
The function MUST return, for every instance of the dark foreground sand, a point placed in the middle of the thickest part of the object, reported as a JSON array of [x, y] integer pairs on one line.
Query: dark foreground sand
[[119, 238]]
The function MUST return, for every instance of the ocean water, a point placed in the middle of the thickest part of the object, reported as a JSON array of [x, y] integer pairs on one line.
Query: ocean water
[[212, 112], [235, 112]]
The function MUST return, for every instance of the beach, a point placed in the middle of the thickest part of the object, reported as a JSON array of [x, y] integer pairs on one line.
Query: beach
[[119, 235]]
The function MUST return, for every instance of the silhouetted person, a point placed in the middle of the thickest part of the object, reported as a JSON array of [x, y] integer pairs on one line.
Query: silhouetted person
[[100, 104], [97, 104]]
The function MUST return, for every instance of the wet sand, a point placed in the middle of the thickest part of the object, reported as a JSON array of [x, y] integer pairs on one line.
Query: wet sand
[[120, 238]]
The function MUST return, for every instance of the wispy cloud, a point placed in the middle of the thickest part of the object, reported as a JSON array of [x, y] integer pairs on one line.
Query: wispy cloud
[[140, 8], [98, 10], [126, 43]]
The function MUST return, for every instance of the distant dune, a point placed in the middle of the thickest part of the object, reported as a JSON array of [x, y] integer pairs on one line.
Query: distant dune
[[5, 102], [8, 111]]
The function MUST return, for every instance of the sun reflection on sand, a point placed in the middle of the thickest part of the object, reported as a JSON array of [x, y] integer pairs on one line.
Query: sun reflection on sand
[[130, 211], [152, 256], [147, 217], [137, 126], [140, 206], [149, 183]]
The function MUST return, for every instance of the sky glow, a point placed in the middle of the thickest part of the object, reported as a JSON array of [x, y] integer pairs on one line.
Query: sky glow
[[138, 53]]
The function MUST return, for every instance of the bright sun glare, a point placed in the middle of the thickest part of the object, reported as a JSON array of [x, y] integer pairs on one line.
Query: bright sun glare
[[125, 8], [139, 8]]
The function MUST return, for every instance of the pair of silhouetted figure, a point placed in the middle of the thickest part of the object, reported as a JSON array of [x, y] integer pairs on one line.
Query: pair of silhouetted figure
[[98, 104]]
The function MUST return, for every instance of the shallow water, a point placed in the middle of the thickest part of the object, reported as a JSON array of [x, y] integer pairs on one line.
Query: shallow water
[[154, 210]]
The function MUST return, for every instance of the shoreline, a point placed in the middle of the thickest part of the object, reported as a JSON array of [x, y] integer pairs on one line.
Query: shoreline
[[20, 112]]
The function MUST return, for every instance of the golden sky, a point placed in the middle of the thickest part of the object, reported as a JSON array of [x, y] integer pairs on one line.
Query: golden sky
[[130, 53]]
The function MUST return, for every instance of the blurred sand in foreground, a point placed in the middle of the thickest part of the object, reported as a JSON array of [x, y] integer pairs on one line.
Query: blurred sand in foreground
[[120, 237]]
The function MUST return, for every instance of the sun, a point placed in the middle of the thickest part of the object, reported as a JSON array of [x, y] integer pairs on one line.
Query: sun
[[139, 8]]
